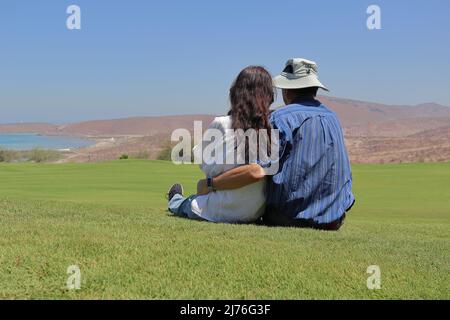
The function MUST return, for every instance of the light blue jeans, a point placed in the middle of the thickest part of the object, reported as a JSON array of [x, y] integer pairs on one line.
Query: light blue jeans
[[181, 207]]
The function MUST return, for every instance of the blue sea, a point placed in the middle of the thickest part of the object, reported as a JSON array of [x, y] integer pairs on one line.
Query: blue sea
[[28, 141]]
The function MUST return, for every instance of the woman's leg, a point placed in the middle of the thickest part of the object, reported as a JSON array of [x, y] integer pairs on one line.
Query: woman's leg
[[181, 207]]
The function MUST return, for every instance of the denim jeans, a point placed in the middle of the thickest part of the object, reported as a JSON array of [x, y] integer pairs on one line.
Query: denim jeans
[[181, 207]]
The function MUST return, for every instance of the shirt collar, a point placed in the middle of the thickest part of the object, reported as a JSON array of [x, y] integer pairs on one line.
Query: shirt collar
[[311, 102]]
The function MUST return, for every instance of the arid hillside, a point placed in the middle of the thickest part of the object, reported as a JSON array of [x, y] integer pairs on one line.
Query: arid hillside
[[375, 133], [137, 126], [41, 128], [353, 112]]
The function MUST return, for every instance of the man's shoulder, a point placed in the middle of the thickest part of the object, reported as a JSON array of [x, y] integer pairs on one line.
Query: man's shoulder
[[301, 111]]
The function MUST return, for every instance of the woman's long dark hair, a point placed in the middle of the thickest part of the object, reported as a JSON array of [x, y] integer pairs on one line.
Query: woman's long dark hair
[[251, 95]]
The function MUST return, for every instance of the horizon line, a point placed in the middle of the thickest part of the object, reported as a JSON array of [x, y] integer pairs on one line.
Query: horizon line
[[213, 114]]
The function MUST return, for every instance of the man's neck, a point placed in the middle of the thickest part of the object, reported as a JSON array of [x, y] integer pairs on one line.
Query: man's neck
[[303, 99]]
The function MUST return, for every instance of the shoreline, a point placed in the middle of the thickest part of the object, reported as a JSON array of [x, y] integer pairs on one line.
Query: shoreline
[[66, 142]]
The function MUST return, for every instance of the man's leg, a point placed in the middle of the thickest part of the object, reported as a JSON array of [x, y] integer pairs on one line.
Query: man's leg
[[181, 207], [332, 226], [275, 218]]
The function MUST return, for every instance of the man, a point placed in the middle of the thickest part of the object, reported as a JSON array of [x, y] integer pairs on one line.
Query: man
[[313, 186]]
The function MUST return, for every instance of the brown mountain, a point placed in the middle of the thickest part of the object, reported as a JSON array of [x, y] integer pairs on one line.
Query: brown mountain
[[353, 112], [374, 132], [42, 128], [139, 126]]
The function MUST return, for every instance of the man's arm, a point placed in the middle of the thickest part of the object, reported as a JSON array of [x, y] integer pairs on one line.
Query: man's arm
[[234, 179]]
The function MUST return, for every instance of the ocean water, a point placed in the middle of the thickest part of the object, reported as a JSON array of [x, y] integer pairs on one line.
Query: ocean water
[[28, 141]]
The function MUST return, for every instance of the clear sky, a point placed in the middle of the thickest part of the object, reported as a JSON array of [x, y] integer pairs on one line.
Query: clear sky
[[134, 58]]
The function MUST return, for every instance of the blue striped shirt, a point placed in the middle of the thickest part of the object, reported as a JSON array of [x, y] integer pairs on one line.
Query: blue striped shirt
[[314, 179]]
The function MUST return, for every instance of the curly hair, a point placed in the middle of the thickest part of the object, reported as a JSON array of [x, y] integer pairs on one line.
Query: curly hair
[[251, 95]]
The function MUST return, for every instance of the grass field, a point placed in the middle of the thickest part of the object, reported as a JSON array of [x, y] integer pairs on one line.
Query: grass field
[[110, 220]]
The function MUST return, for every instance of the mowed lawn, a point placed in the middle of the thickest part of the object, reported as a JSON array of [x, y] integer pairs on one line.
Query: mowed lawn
[[110, 219]]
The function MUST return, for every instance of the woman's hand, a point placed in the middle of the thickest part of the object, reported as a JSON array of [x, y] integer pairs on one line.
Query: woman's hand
[[202, 187]]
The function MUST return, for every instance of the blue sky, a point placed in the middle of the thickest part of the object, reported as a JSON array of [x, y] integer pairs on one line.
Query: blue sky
[[179, 57]]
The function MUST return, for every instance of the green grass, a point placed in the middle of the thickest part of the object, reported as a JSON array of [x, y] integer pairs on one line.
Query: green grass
[[110, 220]]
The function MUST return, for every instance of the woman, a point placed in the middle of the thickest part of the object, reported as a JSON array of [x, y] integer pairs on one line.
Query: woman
[[251, 95]]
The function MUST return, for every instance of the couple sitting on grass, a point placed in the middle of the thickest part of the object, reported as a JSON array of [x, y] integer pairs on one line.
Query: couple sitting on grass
[[312, 187]]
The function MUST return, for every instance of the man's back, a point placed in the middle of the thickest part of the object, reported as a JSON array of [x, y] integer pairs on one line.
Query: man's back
[[314, 181]]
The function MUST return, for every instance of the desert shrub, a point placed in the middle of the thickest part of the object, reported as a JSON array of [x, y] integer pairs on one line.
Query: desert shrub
[[42, 155], [35, 155], [7, 155], [142, 155], [166, 152]]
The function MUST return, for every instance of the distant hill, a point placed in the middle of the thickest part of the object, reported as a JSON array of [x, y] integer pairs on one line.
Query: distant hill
[[353, 112], [363, 118], [143, 126], [374, 132], [42, 128]]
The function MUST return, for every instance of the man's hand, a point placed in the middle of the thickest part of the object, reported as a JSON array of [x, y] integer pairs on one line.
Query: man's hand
[[234, 179], [202, 187], [239, 177]]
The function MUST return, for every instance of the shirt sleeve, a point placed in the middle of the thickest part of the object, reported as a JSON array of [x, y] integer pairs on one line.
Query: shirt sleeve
[[278, 144], [212, 169]]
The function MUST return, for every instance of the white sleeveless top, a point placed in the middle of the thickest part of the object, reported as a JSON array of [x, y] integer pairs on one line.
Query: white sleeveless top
[[242, 205]]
